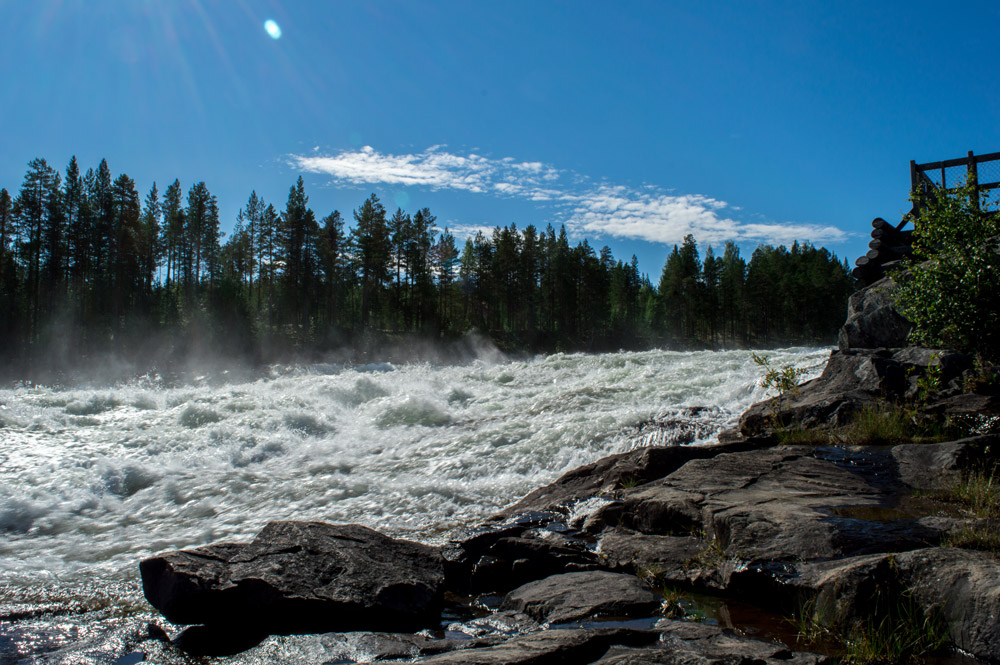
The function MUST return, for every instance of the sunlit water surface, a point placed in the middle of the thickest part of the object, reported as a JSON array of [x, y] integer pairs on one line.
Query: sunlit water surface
[[92, 479]]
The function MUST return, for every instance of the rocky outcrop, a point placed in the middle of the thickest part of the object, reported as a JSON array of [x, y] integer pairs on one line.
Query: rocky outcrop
[[872, 319], [854, 379], [300, 577], [610, 474]]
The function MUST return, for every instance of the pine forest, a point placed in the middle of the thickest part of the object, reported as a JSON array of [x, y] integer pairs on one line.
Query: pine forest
[[88, 267]]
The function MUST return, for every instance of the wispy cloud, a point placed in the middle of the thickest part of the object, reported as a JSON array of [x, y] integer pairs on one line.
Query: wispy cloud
[[433, 168], [650, 213]]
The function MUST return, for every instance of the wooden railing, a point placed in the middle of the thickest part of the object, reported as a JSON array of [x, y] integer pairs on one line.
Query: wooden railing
[[981, 171], [891, 243]]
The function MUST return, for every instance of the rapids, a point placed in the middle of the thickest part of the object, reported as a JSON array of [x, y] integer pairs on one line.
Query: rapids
[[94, 478]]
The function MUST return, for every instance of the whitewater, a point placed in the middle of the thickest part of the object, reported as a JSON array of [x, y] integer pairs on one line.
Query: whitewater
[[94, 478]]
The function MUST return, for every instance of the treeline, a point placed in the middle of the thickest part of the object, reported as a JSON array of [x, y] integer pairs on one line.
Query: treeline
[[87, 266]]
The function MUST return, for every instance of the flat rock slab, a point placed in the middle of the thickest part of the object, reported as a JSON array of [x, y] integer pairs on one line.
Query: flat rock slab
[[789, 503], [685, 643], [574, 597], [300, 577], [564, 646]]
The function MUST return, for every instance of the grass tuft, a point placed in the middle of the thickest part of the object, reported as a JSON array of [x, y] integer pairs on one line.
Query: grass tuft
[[711, 556], [902, 637], [981, 536], [879, 425], [978, 492]]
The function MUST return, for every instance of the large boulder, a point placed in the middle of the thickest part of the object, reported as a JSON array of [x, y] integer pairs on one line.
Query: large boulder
[[873, 321], [300, 577]]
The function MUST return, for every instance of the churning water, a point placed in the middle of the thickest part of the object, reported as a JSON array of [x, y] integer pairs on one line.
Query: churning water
[[94, 479]]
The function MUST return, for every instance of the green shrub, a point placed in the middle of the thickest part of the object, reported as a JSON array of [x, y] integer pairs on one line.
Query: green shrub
[[952, 292]]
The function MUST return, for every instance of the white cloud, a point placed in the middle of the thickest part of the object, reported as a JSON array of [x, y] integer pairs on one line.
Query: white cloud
[[648, 213], [666, 218], [433, 168]]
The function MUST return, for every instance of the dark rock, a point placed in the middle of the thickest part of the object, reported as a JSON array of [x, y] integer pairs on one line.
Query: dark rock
[[366, 647], [218, 641], [778, 505], [506, 557], [872, 319], [961, 587], [511, 562], [938, 466], [965, 587], [498, 623], [564, 646], [575, 597], [300, 577], [850, 381], [611, 474], [686, 643], [646, 555]]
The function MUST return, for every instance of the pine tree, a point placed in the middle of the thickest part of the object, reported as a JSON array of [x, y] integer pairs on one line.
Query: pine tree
[[173, 230], [333, 262], [371, 243], [150, 244], [33, 208]]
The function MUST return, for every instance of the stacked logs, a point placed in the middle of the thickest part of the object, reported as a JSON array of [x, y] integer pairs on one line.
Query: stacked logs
[[888, 245]]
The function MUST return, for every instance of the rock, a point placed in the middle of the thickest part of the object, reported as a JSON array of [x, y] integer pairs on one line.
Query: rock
[[965, 587], [566, 646], [686, 643], [502, 558], [511, 562], [366, 647], [939, 466], [575, 597], [872, 319], [218, 641], [645, 555], [781, 504], [300, 577], [852, 380], [611, 474], [498, 623]]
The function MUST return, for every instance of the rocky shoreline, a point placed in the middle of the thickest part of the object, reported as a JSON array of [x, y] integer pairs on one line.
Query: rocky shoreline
[[608, 563]]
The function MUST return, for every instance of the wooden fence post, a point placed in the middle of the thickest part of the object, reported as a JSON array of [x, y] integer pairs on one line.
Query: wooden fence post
[[973, 178]]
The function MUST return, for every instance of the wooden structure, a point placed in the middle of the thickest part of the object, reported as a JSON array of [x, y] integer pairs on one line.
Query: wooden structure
[[890, 243]]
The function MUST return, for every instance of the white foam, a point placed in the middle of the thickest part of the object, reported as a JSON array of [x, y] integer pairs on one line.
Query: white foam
[[92, 480]]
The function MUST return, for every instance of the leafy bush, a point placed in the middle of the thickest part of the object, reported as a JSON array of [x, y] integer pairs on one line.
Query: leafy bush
[[952, 292]]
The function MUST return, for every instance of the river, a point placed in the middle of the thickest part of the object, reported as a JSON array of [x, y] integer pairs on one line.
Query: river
[[94, 478]]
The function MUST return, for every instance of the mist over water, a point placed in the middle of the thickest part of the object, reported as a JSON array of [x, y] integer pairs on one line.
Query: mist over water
[[93, 479]]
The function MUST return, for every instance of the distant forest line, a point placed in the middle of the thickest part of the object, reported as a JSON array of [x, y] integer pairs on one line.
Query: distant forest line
[[87, 267]]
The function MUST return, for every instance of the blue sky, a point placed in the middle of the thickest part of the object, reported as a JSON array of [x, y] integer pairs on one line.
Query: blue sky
[[632, 123]]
